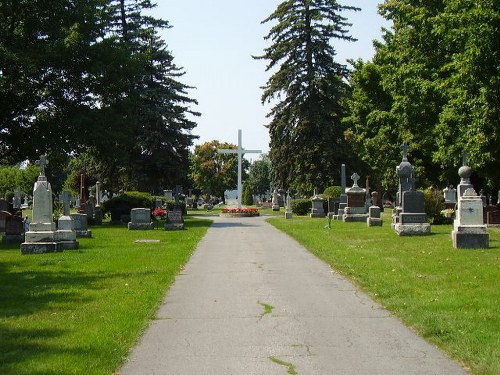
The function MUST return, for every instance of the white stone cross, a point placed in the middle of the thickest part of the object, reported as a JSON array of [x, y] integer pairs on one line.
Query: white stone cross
[[240, 151], [355, 177], [43, 162]]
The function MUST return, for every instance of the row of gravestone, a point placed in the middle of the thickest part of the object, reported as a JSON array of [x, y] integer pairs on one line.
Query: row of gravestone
[[409, 217], [140, 219], [41, 234]]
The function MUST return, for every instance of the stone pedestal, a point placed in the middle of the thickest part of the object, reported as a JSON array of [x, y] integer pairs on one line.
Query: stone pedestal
[[41, 236], [469, 232], [317, 207], [66, 233], [355, 210], [374, 219]]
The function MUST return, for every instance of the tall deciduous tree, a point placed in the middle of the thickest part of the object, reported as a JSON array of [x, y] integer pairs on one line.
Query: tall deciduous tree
[[307, 145], [213, 172], [436, 80], [260, 176]]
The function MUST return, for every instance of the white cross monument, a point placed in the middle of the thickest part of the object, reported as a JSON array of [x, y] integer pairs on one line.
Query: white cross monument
[[240, 151]]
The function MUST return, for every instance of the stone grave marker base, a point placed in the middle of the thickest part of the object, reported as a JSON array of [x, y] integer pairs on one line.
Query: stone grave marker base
[[374, 222], [40, 247], [470, 238], [421, 229], [140, 226], [351, 218]]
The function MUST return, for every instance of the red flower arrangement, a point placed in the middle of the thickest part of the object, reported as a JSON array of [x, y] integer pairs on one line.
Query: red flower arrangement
[[159, 212], [252, 211]]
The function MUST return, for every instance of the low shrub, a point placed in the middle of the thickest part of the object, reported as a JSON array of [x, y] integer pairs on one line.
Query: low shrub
[[434, 204], [332, 192], [123, 203], [301, 207]]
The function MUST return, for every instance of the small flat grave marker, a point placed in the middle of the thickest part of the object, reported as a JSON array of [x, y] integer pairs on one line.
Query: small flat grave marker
[[147, 241]]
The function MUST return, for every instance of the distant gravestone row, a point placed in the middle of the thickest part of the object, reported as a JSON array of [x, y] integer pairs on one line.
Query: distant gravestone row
[[409, 217], [41, 235]]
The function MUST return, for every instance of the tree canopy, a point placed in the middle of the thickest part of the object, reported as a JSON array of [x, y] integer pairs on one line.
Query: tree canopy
[[434, 83], [213, 172], [93, 77]]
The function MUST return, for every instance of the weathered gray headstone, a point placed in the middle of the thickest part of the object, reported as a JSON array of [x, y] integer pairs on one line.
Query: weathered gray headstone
[[140, 219], [81, 225], [469, 232], [14, 229], [374, 219], [174, 220], [450, 194], [317, 209]]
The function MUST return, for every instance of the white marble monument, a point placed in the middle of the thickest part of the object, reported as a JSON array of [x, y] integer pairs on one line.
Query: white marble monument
[[42, 235]]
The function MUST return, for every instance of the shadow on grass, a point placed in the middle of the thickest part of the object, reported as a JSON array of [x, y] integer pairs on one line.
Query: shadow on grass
[[26, 291], [25, 344]]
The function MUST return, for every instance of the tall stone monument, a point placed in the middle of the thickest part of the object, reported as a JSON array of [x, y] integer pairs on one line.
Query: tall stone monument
[[356, 205], [469, 231], [41, 236], [317, 209], [409, 218]]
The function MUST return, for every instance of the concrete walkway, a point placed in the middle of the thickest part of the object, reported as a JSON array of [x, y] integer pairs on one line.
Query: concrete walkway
[[253, 301]]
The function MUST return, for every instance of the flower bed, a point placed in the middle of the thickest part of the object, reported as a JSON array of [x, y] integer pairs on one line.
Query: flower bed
[[239, 212]]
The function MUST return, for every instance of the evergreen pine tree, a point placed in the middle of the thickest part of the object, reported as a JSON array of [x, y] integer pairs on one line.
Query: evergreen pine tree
[[307, 145]]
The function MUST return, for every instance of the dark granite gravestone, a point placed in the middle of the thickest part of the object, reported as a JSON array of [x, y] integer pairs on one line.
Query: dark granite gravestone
[[413, 201], [355, 200], [4, 216], [409, 218], [493, 218], [14, 229], [4, 205], [174, 220]]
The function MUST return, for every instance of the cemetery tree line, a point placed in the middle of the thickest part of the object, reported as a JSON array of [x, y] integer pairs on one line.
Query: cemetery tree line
[[434, 82], [93, 77]]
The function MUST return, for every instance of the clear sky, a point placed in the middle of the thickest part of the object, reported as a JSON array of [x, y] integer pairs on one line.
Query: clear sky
[[213, 40]]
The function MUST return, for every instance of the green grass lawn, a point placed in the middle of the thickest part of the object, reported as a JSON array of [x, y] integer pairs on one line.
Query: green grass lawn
[[80, 311], [450, 297]]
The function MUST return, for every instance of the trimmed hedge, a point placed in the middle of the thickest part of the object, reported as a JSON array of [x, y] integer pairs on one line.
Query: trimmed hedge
[[123, 203], [301, 207], [332, 191]]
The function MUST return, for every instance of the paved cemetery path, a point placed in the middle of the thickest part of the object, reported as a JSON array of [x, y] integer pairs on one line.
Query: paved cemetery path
[[253, 301]]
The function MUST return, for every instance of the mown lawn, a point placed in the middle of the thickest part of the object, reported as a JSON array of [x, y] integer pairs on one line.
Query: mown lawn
[[80, 311], [451, 297]]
